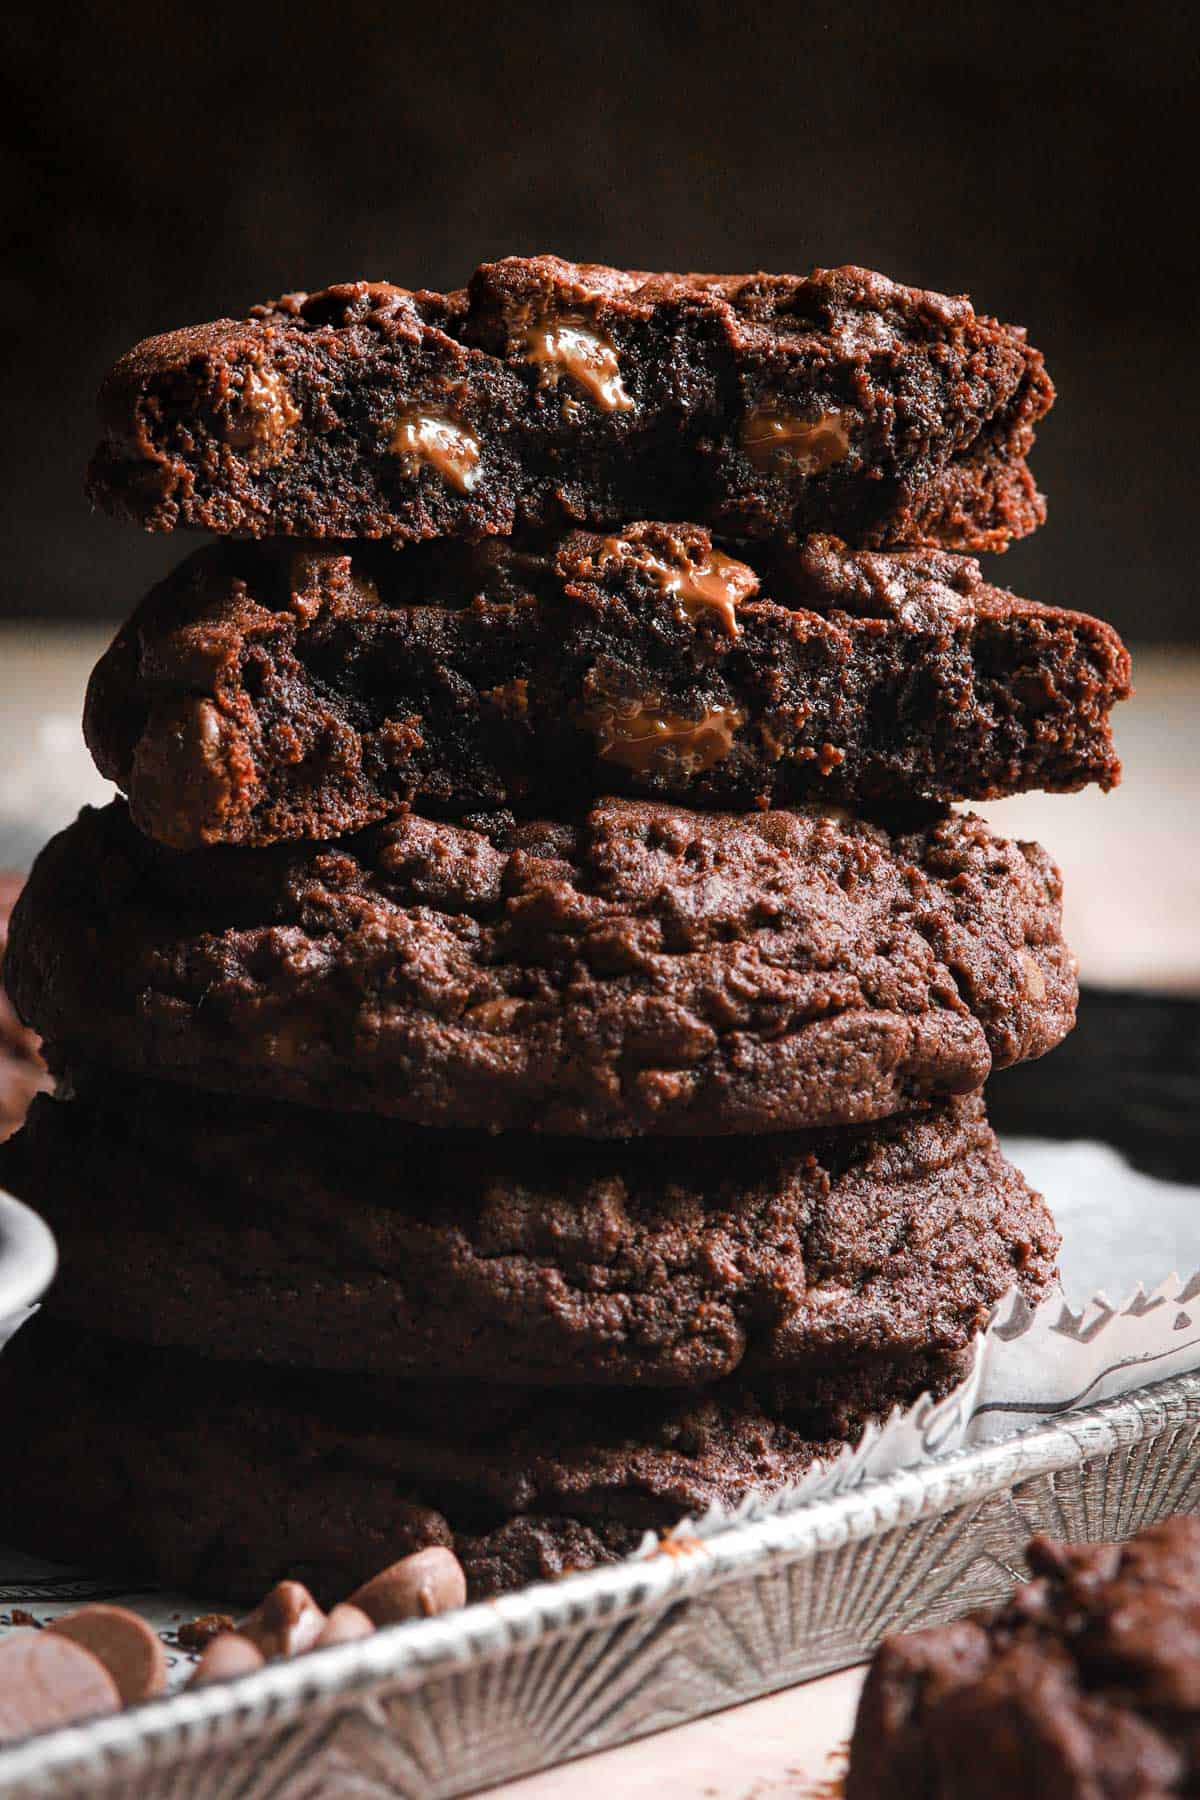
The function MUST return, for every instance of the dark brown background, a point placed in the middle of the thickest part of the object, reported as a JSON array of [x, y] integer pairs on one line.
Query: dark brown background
[[162, 165]]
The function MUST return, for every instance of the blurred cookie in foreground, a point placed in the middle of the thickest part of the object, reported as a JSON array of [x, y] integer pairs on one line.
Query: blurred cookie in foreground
[[1084, 1685], [22, 1071]]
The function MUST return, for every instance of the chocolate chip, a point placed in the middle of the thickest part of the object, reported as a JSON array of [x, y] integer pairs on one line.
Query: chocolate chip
[[344, 1624], [229, 1654], [128, 1647], [46, 1679], [430, 1581], [286, 1623]]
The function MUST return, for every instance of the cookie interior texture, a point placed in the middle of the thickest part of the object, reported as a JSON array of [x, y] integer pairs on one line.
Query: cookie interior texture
[[643, 970], [267, 691], [547, 391], [268, 1232], [221, 1479]]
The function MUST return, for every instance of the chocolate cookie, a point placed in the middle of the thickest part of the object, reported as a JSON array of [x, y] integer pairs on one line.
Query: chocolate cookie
[[271, 691], [645, 969], [22, 1071], [284, 1237], [549, 392], [1086, 1684], [222, 1479]]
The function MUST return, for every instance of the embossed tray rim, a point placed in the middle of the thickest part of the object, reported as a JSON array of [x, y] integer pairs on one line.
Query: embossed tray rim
[[209, 1721]]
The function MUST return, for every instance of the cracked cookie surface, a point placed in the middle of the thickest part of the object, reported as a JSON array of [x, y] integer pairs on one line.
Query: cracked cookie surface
[[282, 1236], [644, 969]]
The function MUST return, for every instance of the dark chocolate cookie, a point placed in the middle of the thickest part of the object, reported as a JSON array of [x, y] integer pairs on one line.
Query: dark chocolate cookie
[[22, 1071], [267, 1232], [1084, 1686], [550, 392], [222, 1479], [275, 691], [645, 969]]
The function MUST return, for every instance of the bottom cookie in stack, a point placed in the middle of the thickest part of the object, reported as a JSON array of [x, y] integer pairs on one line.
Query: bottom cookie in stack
[[285, 1344]]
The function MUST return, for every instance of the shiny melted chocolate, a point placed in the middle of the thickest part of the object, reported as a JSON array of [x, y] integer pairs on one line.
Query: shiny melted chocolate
[[646, 738], [780, 442], [569, 345], [440, 443], [265, 414], [716, 583]]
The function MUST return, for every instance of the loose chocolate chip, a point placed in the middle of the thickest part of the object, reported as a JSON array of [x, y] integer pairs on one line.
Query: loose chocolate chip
[[46, 1679], [430, 1581], [344, 1624], [228, 1654], [129, 1648], [286, 1623]]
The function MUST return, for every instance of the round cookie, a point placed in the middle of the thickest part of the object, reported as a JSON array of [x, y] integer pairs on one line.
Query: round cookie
[[642, 969], [222, 1480], [276, 1233]]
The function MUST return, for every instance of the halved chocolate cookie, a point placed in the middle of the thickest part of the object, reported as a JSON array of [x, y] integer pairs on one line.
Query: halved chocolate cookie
[[275, 691], [550, 392]]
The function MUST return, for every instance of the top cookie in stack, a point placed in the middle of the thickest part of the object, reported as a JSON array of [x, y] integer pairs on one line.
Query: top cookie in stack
[[559, 743], [763, 406]]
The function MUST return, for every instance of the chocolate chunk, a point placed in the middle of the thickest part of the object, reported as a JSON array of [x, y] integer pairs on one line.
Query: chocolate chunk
[[430, 1581], [129, 1648], [263, 692], [766, 406], [227, 1656], [643, 970], [286, 1623], [48, 1680], [345, 1625], [22, 1071]]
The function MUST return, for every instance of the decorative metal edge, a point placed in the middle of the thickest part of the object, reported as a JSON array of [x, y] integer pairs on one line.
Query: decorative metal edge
[[208, 1721]]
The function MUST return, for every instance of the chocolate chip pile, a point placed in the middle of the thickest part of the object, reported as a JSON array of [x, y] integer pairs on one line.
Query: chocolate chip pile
[[102, 1658], [519, 1035]]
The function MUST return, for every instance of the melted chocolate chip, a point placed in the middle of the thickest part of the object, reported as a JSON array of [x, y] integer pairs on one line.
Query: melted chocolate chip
[[441, 443]]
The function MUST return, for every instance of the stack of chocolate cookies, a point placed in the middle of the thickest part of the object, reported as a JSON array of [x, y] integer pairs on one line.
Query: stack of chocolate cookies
[[520, 1036]]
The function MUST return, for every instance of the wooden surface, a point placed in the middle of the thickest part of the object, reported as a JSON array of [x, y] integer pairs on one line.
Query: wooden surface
[[1131, 865]]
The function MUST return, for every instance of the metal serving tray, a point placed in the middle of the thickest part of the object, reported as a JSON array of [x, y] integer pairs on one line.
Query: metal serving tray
[[445, 1706]]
